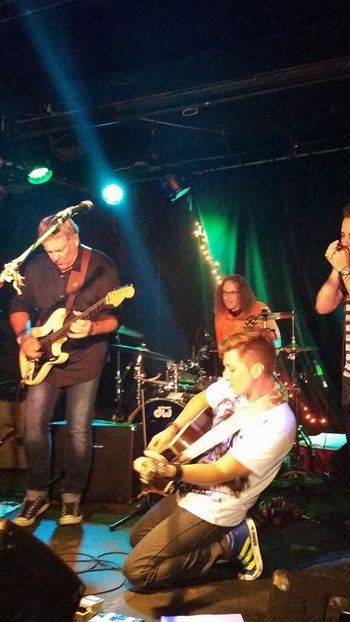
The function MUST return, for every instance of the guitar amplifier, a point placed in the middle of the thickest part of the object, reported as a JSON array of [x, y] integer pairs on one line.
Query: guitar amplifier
[[12, 454], [115, 446]]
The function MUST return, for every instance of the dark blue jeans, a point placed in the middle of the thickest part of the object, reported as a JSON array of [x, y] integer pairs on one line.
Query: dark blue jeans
[[171, 545], [40, 403]]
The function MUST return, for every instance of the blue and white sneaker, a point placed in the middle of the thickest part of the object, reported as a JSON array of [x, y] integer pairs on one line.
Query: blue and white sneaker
[[244, 543]]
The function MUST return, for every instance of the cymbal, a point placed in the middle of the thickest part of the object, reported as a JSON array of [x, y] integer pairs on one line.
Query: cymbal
[[295, 348], [278, 315], [129, 332], [143, 351]]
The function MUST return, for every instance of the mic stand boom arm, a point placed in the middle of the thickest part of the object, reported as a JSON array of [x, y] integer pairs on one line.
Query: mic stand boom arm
[[10, 271]]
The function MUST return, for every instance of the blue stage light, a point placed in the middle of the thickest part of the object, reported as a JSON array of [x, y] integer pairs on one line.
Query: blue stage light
[[112, 194]]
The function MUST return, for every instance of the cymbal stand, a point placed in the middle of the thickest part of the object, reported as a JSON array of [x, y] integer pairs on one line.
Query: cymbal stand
[[118, 382], [145, 503], [138, 376], [302, 435]]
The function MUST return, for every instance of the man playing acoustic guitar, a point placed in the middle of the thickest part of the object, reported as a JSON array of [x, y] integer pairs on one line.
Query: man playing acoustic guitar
[[184, 534], [71, 277]]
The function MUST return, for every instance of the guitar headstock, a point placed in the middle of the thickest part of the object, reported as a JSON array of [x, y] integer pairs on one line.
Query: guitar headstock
[[116, 297]]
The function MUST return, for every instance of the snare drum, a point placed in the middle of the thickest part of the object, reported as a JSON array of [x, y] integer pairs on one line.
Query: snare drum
[[159, 413]]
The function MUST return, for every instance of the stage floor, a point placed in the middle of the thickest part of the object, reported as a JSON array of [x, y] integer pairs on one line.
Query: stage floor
[[303, 524]]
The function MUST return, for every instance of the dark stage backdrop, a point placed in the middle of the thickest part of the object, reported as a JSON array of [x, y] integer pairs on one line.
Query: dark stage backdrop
[[271, 223]]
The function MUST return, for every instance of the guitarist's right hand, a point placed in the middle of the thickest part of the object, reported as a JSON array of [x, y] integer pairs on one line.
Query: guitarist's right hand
[[30, 346]]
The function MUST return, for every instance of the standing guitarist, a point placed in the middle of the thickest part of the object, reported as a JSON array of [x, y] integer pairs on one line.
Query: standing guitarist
[[186, 533], [72, 277]]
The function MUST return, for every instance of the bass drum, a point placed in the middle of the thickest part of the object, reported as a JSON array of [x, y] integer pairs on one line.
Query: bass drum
[[159, 413]]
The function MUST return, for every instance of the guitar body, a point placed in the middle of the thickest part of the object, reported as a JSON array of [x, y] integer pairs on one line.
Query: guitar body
[[34, 372], [188, 434], [53, 334]]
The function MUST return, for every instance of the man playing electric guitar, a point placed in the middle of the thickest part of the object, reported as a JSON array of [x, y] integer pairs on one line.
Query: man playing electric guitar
[[71, 276], [184, 534]]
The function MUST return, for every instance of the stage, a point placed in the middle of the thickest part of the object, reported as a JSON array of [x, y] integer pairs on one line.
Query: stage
[[303, 525]]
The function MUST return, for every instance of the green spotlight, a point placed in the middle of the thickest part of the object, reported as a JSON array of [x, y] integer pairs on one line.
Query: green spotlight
[[39, 175]]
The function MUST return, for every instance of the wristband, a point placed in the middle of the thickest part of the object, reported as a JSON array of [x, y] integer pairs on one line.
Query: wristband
[[178, 474]]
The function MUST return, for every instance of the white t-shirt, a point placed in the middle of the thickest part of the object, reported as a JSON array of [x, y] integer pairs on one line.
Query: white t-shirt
[[261, 445]]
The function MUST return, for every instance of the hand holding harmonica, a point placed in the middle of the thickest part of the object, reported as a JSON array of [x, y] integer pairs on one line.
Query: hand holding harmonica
[[338, 255]]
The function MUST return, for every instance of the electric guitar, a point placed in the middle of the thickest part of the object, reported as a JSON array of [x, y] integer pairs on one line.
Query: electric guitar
[[53, 334]]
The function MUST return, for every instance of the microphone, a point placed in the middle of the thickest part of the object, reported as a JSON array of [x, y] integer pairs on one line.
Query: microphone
[[75, 209]]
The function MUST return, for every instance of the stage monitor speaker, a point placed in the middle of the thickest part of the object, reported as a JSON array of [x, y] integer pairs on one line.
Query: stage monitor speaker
[[35, 584], [300, 596], [115, 446]]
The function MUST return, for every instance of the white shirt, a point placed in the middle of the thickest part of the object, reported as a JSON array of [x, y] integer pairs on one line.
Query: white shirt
[[261, 445]]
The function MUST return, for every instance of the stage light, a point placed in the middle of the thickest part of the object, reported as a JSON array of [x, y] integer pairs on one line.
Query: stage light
[[112, 194], [39, 174], [174, 187]]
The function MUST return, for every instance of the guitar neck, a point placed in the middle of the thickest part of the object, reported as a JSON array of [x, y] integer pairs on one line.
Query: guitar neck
[[62, 332]]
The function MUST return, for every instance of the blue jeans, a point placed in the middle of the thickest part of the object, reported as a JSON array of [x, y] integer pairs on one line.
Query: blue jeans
[[40, 403]]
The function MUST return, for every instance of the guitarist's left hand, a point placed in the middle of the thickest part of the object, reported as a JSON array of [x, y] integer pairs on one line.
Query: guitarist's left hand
[[80, 328], [151, 466]]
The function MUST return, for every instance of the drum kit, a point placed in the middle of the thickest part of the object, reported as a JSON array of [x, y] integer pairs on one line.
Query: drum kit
[[157, 400]]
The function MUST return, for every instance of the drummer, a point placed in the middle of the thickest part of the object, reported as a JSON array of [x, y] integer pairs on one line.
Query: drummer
[[236, 308]]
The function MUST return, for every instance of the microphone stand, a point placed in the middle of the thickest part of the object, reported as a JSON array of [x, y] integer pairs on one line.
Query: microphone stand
[[145, 503], [10, 272]]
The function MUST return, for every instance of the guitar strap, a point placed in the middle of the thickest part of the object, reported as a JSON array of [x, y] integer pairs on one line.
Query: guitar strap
[[77, 278], [230, 426]]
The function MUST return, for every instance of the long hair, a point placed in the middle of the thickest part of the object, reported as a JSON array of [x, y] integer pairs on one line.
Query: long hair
[[246, 294], [346, 211]]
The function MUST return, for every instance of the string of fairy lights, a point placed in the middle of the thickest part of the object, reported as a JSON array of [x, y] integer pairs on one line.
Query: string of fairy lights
[[213, 265], [305, 412]]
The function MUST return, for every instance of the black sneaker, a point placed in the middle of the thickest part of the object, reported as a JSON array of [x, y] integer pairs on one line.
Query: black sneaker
[[71, 514], [30, 511]]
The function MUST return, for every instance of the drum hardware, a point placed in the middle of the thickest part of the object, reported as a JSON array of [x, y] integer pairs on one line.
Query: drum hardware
[[117, 384], [209, 366], [138, 371], [177, 374], [129, 332], [142, 350], [292, 350], [144, 504], [156, 415], [277, 315]]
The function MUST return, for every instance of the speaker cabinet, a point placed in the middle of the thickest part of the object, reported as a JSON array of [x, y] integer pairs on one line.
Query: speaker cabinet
[[115, 446], [35, 584], [12, 454], [300, 596]]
